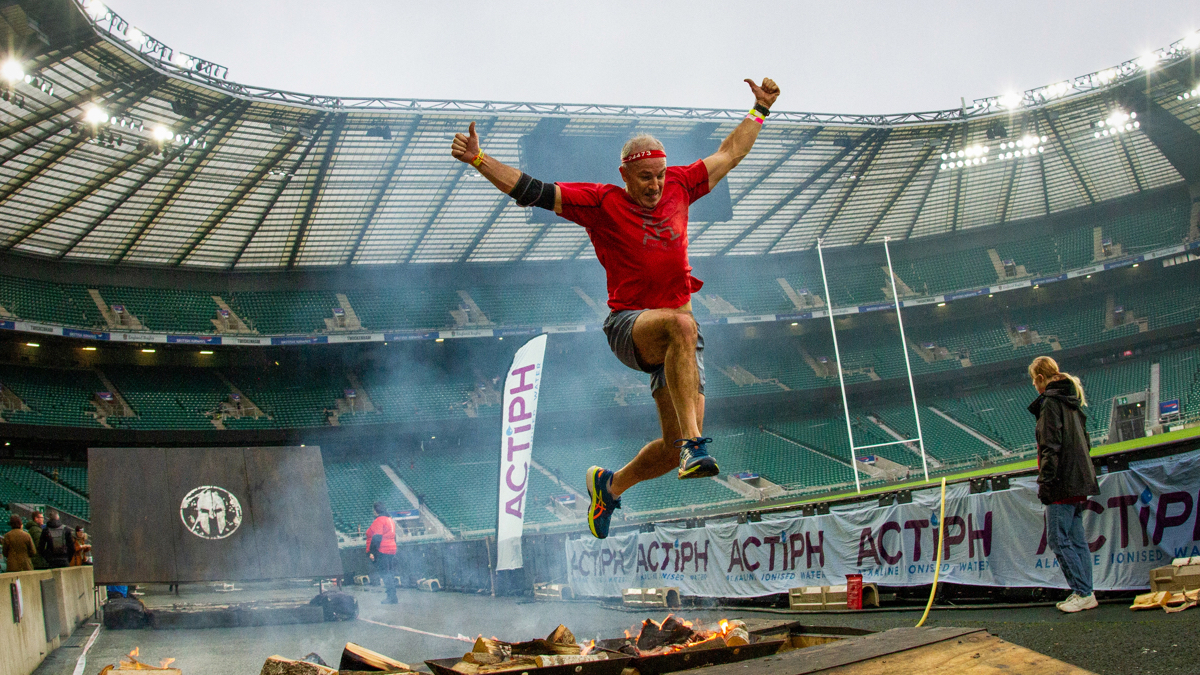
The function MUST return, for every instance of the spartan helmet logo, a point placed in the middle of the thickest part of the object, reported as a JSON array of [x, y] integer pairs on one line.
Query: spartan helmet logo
[[211, 512]]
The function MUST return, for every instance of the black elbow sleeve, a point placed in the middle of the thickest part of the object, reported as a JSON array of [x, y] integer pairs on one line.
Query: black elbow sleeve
[[530, 191]]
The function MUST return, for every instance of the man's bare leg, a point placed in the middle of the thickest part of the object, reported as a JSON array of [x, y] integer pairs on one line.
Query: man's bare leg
[[668, 336], [660, 455]]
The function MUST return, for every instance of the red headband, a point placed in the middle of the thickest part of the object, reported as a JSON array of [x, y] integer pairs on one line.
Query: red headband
[[644, 154]]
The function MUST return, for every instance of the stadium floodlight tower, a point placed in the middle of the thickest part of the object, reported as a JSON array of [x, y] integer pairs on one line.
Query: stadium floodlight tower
[[919, 440]]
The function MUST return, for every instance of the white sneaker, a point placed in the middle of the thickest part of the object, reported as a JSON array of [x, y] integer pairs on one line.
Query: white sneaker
[[1079, 603], [1069, 598]]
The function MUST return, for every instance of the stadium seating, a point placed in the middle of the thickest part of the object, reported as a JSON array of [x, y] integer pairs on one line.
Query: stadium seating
[[178, 310], [38, 489], [168, 398], [56, 397], [354, 487], [74, 477], [64, 304], [946, 442], [291, 399], [284, 313], [441, 480]]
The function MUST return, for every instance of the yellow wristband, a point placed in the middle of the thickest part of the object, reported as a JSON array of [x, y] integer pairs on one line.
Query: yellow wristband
[[478, 160]]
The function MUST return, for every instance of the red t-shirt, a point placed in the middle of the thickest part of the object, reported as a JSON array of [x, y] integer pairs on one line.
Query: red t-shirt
[[643, 251]]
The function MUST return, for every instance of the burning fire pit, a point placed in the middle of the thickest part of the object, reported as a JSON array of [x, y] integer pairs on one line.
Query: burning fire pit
[[558, 654], [676, 644]]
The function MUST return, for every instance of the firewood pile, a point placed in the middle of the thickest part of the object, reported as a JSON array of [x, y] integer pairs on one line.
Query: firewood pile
[[674, 634], [130, 662], [560, 648]]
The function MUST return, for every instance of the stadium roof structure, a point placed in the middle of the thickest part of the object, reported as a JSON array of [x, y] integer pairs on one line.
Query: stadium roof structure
[[116, 149]]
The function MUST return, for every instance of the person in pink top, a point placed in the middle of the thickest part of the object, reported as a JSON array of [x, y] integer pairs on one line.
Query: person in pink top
[[640, 236], [381, 549]]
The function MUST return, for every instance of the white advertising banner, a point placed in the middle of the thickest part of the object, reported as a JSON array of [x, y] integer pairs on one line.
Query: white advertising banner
[[1143, 518], [516, 447]]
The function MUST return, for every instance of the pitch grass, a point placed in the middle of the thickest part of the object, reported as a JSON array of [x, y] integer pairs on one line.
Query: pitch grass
[[999, 469]]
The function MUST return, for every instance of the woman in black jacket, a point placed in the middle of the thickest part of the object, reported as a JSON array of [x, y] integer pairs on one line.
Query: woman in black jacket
[[1066, 477]]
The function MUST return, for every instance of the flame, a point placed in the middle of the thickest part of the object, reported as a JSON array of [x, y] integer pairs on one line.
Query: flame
[[701, 635], [588, 648], [165, 663], [133, 654]]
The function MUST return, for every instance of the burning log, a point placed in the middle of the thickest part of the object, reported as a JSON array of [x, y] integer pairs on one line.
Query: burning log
[[735, 633], [489, 655], [278, 665], [357, 657], [671, 631]]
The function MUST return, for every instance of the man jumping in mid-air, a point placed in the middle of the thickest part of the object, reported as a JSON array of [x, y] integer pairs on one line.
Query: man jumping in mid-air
[[640, 236]]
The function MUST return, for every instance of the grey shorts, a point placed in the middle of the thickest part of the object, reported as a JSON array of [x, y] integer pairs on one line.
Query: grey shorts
[[618, 327]]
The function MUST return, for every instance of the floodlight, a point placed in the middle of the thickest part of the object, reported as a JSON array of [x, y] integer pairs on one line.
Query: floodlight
[[162, 134], [135, 38], [12, 72], [1011, 100], [1148, 61], [182, 60], [1192, 41], [94, 115], [95, 9]]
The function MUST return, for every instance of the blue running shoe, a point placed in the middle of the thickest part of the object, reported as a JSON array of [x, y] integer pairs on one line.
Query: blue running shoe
[[603, 502], [694, 461]]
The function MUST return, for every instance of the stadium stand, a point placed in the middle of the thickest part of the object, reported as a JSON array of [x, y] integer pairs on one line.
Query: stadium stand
[[64, 304], [293, 312], [74, 477], [177, 310], [354, 487], [290, 399], [38, 489], [55, 397], [168, 398]]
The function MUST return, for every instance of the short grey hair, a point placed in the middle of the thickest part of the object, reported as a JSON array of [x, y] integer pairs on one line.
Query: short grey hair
[[639, 143]]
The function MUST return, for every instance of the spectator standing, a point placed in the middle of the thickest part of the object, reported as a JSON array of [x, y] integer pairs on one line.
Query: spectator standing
[[1066, 477], [18, 547], [56, 544], [83, 550], [37, 522], [381, 548]]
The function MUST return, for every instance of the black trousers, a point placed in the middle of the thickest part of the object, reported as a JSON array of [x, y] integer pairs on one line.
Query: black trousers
[[385, 567]]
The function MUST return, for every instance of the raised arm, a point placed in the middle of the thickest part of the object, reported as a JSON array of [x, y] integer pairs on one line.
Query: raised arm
[[737, 145], [465, 148]]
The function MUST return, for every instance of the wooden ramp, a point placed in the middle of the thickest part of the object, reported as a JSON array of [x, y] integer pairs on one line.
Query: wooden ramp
[[928, 651]]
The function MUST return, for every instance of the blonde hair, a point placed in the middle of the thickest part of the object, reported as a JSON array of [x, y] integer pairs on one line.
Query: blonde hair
[[639, 143], [1048, 369]]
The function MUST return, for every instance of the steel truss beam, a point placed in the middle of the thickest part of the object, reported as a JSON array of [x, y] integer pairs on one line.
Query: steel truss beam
[[487, 226], [897, 192], [912, 224], [1067, 155], [238, 196], [858, 147], [863, 166], [283, 184], [51, 158], [133, 189], [795, 192], [384, 185], [763, 176], [318, 182], [440, 203], [223, 121]]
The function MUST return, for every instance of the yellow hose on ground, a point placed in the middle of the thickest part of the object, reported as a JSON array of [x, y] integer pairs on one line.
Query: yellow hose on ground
[[937, 568]]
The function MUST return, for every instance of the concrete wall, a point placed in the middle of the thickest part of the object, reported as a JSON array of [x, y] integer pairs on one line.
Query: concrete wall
[[23, 644]]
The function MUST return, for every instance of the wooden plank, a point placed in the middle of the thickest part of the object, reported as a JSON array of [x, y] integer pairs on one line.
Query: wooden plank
[[974, 654], [844, 652], [132, 517], [293, 522]]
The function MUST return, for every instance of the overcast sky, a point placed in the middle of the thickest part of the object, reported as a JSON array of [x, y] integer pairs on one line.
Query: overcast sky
[[852, 57]]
